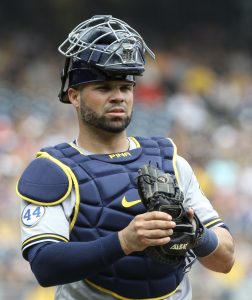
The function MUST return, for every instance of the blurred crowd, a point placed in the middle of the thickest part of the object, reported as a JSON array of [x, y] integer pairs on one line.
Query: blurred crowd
[[202, 99]]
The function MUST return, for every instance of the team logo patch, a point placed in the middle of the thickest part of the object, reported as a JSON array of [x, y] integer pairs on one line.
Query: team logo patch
[[32, 214]]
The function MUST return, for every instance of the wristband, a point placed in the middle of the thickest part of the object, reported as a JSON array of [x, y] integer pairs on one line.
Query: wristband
[[207, 244]]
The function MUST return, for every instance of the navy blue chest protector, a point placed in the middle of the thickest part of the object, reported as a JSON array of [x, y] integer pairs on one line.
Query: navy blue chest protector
[[108, 200]]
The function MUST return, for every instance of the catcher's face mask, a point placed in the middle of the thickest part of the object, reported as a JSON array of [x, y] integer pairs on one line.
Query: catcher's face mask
[[102, 48]]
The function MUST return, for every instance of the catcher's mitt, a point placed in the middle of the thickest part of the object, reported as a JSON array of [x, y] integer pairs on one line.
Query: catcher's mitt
[[160, 191]]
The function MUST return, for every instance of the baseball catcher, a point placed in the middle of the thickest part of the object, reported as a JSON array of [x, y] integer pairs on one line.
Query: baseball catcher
[[160, 191], [74, 212]]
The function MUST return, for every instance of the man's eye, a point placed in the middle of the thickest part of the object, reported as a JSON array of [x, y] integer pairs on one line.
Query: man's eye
[[126, 88], [103, 88]]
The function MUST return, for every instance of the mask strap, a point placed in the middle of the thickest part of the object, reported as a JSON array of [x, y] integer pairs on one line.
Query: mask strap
[[64, 75]]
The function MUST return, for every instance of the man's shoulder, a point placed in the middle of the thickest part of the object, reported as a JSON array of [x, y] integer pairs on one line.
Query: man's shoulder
[[159, 140], [44, 182]]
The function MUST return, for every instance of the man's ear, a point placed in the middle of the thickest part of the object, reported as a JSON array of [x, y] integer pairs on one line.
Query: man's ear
[[73, 96]]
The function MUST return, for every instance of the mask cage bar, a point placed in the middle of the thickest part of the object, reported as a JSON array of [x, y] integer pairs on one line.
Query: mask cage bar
[[75, 36]]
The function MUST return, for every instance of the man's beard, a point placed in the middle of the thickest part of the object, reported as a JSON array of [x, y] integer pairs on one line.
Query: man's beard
[[113, 125]]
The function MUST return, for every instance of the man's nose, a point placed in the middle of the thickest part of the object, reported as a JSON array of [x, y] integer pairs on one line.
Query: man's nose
[[117, 96]]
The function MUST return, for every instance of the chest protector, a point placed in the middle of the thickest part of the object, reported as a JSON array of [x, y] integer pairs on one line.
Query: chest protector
[[106, 201]]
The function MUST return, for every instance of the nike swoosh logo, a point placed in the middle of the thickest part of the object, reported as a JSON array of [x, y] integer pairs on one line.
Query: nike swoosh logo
[[127, 204]]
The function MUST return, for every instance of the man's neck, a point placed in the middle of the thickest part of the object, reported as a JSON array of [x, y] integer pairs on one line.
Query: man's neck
[[103, 142]]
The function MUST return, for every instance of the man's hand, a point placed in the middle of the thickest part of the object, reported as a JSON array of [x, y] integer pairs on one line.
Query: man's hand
[[148, 229]]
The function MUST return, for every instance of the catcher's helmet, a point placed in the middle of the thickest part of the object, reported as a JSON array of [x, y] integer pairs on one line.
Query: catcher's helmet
[[101, 48]]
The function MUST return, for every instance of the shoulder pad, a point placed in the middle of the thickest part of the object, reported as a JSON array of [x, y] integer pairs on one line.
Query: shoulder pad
[[44, 182]]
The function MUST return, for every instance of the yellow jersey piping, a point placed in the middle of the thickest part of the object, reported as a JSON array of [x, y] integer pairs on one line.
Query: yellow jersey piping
[[135, 141], [124, 298], [212, 222], [47, 235]]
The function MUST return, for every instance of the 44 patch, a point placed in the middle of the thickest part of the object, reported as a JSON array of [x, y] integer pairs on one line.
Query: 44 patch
[[32, 214]]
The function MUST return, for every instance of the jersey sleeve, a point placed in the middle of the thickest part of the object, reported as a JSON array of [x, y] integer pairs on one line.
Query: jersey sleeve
[[194, 197], [41, 223]]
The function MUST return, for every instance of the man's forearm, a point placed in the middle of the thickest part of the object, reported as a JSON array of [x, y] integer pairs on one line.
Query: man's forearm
[[61, 263], [222, 259]]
